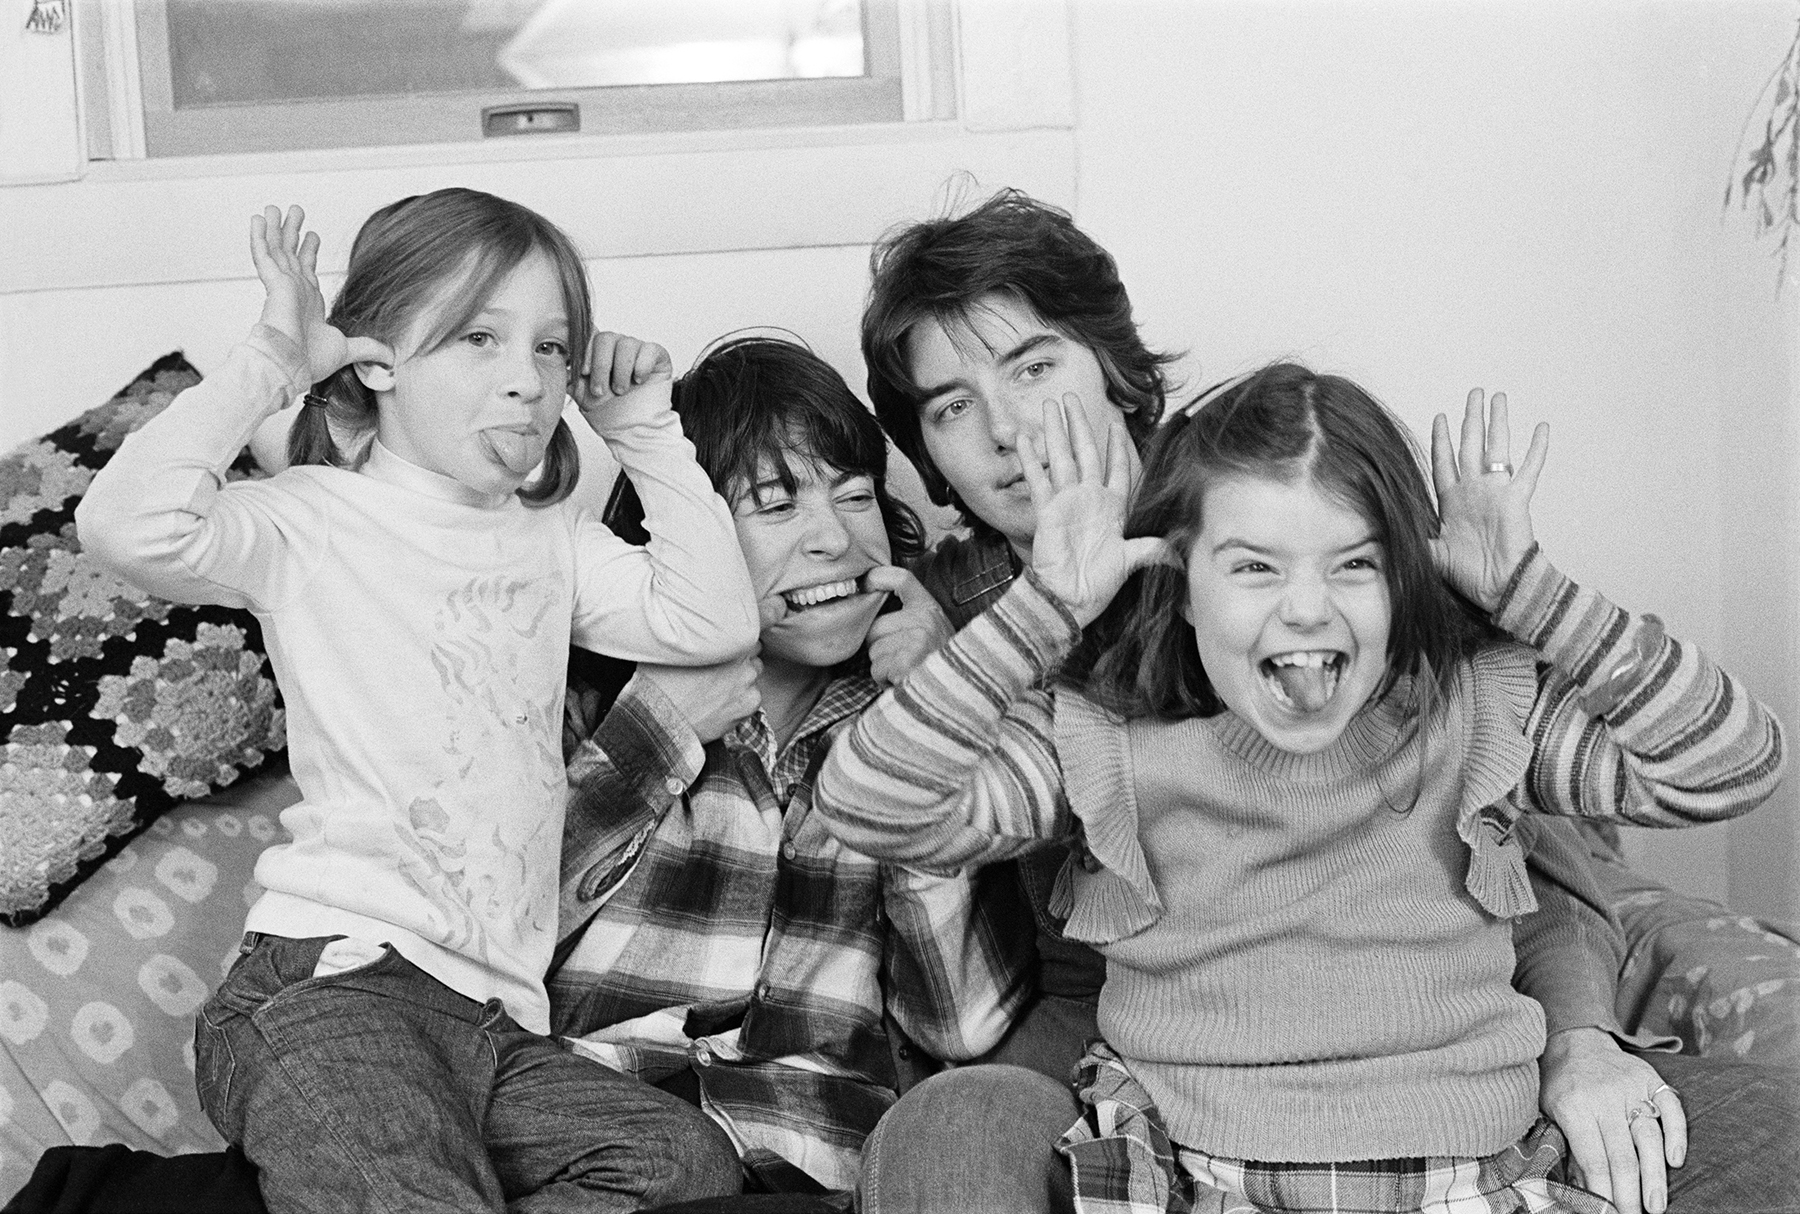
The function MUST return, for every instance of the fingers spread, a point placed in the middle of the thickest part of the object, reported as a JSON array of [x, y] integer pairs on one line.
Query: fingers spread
[[309, 259], [1086, 448], [290, 228], [1535, 455], [1469, 458], [1499, 435], [259, 248], [1057, 445], [1032, 468], [1443, 456]]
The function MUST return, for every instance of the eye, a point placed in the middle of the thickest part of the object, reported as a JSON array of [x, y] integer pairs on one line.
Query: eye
[[554, 348], [950, 410], [1252, 567], [1036, 369], [479, 338], [856, 499], [1369, 564], [776, 508]]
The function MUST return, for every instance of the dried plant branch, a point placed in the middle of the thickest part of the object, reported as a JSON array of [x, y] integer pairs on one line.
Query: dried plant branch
[[1770, 178]]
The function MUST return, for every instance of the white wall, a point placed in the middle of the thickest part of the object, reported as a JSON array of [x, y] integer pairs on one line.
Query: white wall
[[1423, 196], [1429, 197]]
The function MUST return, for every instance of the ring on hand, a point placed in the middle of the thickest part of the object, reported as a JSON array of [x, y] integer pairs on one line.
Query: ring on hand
[[1499, 465], [1662, 1087], [1644, 1108]]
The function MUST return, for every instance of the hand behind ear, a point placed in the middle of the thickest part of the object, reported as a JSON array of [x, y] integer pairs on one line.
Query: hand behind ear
[[374, 363], [287, 264]]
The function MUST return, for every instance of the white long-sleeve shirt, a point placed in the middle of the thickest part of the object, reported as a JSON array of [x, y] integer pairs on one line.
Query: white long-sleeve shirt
[[419, 634]]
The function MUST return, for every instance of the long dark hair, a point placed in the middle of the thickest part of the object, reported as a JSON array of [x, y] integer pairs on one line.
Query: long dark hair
[[1288, 423], [1012, 244], [404, 256]]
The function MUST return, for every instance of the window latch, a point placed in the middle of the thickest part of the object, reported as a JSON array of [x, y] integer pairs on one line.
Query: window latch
[[540, 118]]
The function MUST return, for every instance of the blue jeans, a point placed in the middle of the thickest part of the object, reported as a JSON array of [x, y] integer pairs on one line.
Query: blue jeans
[[382, 1089], [972, 1140]]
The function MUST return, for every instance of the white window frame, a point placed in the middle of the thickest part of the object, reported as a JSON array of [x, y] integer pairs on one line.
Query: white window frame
[[993, 105], [131, 61]]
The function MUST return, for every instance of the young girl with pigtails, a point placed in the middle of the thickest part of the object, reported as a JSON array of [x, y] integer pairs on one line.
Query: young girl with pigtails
[[1294, 748], [419, 573]]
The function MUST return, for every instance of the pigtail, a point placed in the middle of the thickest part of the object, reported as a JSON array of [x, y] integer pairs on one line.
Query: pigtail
[[561, 469], [338, 405]]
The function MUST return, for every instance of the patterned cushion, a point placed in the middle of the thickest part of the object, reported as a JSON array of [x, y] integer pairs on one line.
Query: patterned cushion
[[114, 705], [97, 1001], [1728, 985]]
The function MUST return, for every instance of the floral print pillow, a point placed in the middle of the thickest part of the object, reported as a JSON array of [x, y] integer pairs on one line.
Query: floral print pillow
[[114, 705]]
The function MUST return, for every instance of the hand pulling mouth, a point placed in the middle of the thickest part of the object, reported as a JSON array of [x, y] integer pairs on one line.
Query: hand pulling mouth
[[825, 592]]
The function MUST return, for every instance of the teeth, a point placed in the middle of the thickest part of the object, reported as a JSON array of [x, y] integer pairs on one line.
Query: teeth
[[812, 596], [1303, 681], [1309, 657]]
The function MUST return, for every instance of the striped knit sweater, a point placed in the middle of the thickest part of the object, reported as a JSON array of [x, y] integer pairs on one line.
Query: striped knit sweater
[[1297, 971]]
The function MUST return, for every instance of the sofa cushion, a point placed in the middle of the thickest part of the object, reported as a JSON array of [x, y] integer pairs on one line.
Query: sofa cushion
[[114, 705]]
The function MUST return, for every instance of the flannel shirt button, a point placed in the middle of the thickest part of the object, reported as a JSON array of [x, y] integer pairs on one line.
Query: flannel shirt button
[[763, 991], [703, 1056], [789, 850], [673, 787]]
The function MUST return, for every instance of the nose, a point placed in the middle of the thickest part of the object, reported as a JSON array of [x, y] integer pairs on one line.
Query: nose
[[1305, 603], [825, 536], [521, 376], [1010, 415]]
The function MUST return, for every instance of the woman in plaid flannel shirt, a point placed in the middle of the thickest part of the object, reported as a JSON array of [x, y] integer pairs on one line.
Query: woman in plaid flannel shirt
[[718, 941]]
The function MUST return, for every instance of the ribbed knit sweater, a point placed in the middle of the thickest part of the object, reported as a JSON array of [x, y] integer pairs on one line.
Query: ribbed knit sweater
[[1309, 957], [1320, 982]]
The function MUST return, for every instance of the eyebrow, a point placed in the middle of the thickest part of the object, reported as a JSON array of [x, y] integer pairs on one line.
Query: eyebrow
[[488, 309], [774, 482], [1031, 344], [1261, 550]]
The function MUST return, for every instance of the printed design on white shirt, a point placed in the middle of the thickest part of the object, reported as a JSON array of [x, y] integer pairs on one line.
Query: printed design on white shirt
[[479, 846]]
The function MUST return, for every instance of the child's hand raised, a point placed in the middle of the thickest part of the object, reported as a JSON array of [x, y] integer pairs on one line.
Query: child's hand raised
[[1080, 551], [621, 371], [1484, 506], [287, 264]]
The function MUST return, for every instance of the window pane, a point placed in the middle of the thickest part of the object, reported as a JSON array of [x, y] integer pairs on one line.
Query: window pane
[[228, 52]]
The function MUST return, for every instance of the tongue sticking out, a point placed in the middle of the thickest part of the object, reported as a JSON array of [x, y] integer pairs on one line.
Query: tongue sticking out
[[514, 449], [1308, 687]]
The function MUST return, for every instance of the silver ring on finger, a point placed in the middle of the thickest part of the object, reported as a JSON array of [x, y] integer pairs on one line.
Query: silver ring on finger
[[1498, 465], [1662, 1087], [1643, 1108]]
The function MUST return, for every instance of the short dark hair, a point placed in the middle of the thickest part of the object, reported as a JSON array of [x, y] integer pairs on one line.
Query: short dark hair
[[751, 405], [1012, 244], [1285, 422], [403, 258]]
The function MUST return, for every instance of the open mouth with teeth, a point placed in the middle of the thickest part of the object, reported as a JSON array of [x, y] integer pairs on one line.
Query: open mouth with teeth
[[1305, 680], [807, 597]]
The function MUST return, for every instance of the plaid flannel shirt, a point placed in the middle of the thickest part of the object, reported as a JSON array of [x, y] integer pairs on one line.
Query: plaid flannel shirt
[[711, 923]]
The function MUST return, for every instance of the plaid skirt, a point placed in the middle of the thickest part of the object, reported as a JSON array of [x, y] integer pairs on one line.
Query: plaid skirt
[[1124, 1163]]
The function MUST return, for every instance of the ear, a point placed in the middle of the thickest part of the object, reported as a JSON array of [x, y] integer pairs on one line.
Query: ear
[[376, 377]]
